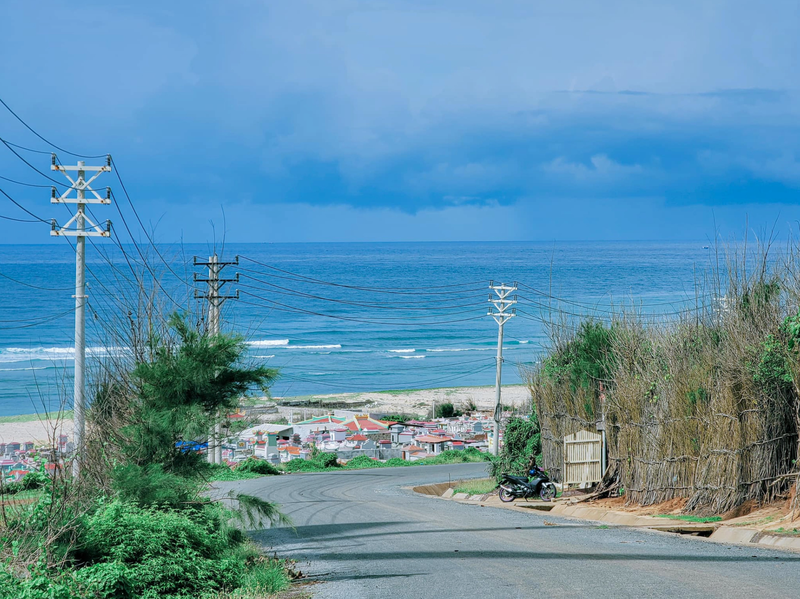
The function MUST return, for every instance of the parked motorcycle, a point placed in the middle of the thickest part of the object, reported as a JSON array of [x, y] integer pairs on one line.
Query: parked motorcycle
[[512, 487]]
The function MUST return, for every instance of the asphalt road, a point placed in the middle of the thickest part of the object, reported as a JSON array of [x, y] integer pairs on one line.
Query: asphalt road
[[363, 535]]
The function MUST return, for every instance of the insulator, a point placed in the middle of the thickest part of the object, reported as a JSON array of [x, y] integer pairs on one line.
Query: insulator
[[108, 159], [108, 193], [53, 192], [53, 159]]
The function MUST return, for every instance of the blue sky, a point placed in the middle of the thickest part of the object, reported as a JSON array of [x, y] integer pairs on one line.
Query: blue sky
[[351, 120]]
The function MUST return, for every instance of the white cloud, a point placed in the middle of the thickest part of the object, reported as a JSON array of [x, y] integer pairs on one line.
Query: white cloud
[[600, 168]]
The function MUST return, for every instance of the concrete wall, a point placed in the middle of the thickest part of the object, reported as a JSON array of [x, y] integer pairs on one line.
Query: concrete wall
[[381, 454]]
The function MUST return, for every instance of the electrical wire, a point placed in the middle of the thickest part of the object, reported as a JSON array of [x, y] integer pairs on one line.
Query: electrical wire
[[581, 305], [38, 322], [397, 290], [24, 209], [46, 176], [291, 292], [36, 286], [23, 183], [412, 368], [141, 224], [50, 143], [287, 308], [393, 384]]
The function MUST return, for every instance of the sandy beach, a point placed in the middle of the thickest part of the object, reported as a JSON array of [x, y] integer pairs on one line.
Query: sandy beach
[[38, 431], [418, 401]]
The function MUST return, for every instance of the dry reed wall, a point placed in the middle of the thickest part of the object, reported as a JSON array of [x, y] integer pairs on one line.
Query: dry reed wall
[[686, 412]]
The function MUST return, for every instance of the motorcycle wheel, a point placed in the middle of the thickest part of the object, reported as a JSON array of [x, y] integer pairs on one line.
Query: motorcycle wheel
[[548, 492], [506, 496]]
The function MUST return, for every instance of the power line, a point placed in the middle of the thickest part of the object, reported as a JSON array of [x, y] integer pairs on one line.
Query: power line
[[373, 306], [398, 290], [346, 318], [382, 306], [48, 177], [50, 143], [35, 286], [24, 209], [141, 224], [22, 182]]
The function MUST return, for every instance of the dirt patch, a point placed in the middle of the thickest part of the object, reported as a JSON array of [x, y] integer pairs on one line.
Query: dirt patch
[[741, 510], [673, 506]]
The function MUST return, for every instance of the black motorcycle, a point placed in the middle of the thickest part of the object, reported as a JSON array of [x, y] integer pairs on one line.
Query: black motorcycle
[[539, 484]]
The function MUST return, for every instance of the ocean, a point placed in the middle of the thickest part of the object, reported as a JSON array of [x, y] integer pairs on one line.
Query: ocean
[[340, 317]]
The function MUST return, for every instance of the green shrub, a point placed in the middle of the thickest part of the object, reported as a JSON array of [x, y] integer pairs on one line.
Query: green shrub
[[522, 446], [152, 485], [363, 461], [106, 580], [393, 462], [268, 576], [446, 410], [322, 461], [163, 554], [36, 479], [257, 466]]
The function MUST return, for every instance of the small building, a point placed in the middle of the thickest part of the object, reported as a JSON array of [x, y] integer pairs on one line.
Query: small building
[[411, 453], [363, 423], [317, 424], [434, 444]]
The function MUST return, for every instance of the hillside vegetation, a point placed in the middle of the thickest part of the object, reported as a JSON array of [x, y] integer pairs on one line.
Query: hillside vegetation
[[701, 404], [138, 524]]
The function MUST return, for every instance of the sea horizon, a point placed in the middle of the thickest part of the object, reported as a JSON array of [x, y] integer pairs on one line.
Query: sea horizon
[[338, 317]]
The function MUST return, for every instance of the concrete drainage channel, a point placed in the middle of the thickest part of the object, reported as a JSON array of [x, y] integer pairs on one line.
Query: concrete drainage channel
[[717, 531]]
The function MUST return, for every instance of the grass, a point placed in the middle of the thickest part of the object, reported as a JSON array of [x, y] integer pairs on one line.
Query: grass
[[481, 486], [765, 520], [65, 415], [786, 531], [26, 494], [698, 519], [223, 473]]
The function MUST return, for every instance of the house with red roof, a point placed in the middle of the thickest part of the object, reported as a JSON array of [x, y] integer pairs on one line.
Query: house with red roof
[[365, 424], [318, 424]]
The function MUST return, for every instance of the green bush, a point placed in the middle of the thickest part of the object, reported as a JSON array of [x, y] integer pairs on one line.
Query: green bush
[[161, 554], [107, 580], [522, 446], [585, 361], [363, 461], [257, 466], [394, 462], [322, 461], [35, 479], [446, 410]]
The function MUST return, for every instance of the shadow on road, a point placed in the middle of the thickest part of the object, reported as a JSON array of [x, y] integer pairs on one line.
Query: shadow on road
[[351, 556]]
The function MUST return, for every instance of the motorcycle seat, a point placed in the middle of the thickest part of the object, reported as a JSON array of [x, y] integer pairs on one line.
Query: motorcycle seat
[[519, 479]]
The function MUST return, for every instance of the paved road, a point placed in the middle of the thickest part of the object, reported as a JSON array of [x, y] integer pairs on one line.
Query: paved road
[[365, 536]]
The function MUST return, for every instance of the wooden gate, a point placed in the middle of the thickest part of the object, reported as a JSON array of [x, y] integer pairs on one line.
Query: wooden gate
[[582, 458]]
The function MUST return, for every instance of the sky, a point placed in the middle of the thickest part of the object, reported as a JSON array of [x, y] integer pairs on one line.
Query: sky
[[411, 120]]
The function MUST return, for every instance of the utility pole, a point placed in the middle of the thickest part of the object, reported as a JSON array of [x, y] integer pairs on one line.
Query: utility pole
[[501, 315], [83, 228], [215, 300]]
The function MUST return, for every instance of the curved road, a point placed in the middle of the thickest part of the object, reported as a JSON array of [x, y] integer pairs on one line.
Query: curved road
[[363, 535]]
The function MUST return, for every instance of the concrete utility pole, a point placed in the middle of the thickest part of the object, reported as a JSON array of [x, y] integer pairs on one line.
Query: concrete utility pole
[[215, 301], [501, 304], [80, 231]]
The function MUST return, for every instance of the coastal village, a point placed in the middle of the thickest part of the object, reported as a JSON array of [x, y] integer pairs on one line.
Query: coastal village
[[348, 434], [351, 434]]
